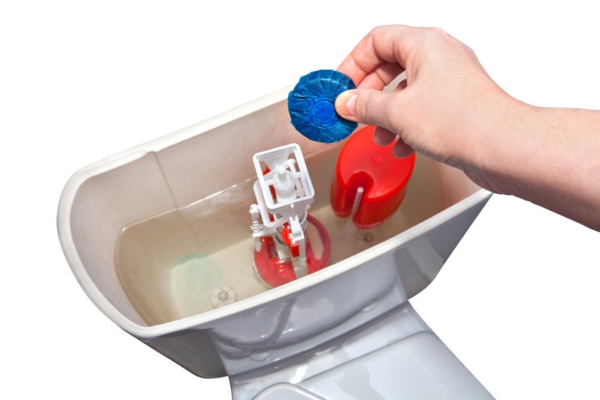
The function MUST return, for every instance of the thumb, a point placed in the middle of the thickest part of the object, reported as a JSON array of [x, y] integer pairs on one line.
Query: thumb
[[371, 107]]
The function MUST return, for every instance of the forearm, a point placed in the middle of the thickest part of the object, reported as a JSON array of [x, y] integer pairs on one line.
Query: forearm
[[550, 157]]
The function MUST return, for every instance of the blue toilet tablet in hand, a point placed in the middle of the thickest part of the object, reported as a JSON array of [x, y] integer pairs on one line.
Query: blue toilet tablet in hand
[[312, 110]]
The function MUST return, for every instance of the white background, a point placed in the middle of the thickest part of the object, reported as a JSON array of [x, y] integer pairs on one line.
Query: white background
[[517, 302]]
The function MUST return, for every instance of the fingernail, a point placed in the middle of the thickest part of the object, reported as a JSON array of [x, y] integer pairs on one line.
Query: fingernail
[[345, 104]]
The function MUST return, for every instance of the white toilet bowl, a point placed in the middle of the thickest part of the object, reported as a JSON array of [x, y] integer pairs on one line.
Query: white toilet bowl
[[151, 233]]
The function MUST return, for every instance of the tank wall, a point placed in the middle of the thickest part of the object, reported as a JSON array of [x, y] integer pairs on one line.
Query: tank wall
[[458, 185], [420, 260], [278, 329], [102, 206], [217, 159]]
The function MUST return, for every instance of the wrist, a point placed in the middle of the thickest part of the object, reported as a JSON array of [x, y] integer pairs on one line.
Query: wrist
[[498, 144]]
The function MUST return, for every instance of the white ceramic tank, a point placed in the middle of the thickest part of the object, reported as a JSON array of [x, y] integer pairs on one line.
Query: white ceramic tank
[[153, 232]]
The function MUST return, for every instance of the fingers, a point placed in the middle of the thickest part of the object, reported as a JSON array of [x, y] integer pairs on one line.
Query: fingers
[[379, 57], [384, 137], [381, 76], [371, 107], [401, 149], [374, 107], [345, 104]]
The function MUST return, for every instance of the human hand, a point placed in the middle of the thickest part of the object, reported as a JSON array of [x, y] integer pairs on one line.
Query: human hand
[[446, 108], [449, 109]]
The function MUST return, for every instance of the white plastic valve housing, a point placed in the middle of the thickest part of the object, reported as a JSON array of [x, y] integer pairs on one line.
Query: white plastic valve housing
[[289, 177]]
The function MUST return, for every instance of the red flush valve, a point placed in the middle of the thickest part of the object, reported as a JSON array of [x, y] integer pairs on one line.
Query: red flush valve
[[382, 177]]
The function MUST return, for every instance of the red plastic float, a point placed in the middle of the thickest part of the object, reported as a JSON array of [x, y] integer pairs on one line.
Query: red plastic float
[[383, 177]]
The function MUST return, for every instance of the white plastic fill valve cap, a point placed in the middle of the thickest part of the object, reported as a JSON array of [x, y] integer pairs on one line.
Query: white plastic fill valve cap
[[284, 184]]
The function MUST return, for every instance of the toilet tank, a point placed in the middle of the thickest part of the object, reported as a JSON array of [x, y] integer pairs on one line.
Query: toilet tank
[[151, 233]]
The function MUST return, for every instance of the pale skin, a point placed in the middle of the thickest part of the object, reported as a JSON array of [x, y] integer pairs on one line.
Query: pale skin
[[449, 109]]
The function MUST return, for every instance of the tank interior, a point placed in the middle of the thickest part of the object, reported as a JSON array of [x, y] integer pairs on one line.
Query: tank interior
[[162, 227]]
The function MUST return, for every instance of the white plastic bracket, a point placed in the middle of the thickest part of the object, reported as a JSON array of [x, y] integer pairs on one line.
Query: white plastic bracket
[[283, 194]]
